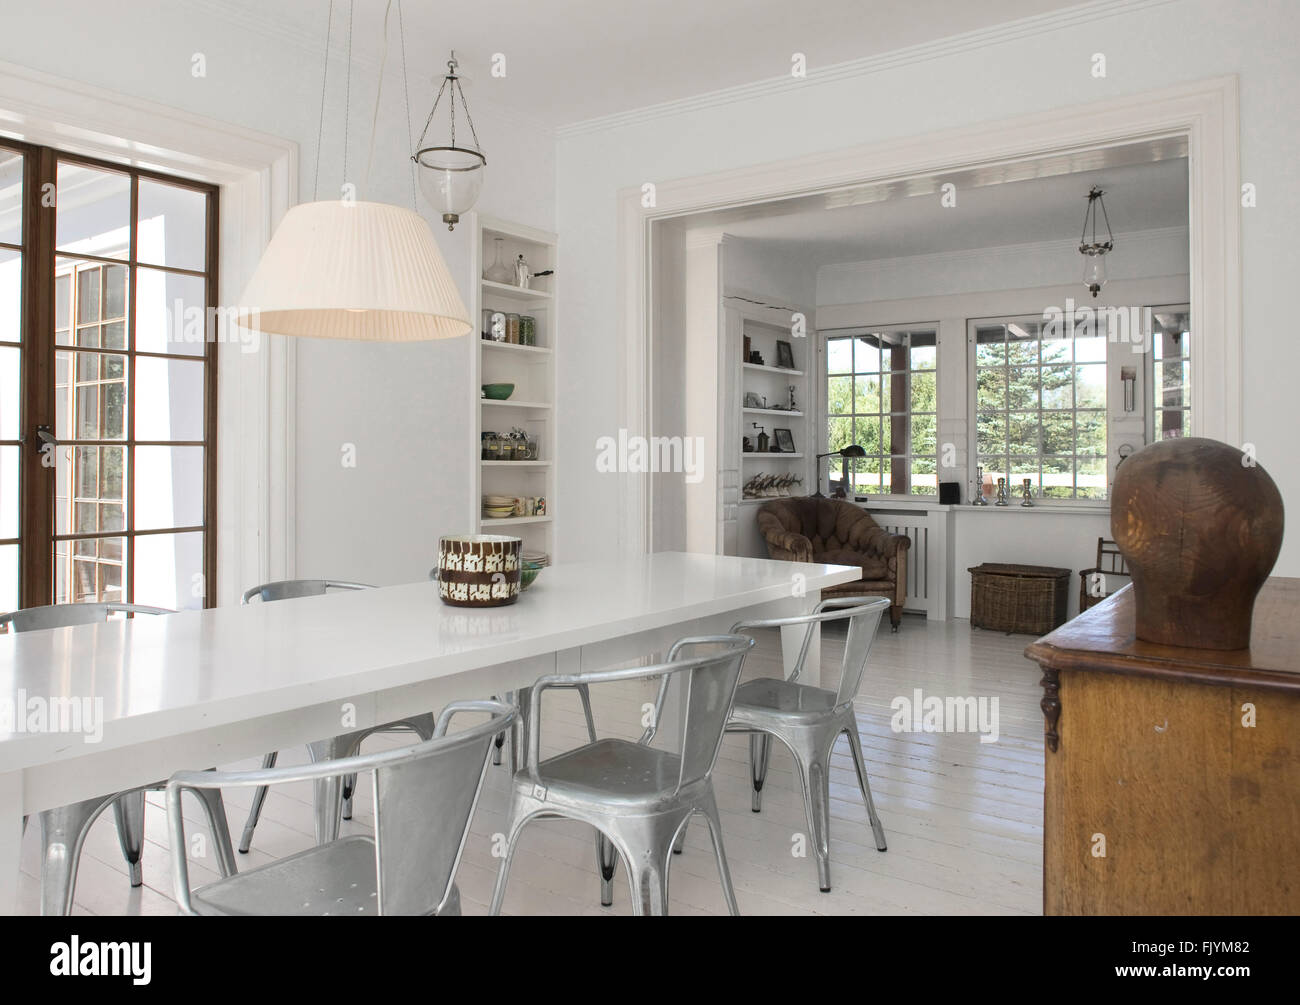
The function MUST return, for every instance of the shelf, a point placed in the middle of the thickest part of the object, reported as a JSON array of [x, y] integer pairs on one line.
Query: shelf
[[764, 368], [527, 350], [773, 411], [514, 292], [507, 521], [507, 403], [763, 499], [783, 455], [515, 464]]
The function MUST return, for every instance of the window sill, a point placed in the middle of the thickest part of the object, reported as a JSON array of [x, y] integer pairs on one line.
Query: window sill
[[1096, 509]]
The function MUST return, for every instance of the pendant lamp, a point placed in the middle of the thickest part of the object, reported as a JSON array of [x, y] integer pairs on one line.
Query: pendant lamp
[[347, 269]]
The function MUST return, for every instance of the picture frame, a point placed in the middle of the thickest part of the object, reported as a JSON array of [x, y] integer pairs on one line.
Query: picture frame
[[784, 355], [783, 441]]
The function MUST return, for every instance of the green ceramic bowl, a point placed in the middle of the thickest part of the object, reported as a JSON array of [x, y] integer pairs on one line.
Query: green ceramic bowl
[[498, 392], [527, 573]]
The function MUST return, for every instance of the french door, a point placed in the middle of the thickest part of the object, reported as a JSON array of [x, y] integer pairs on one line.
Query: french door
[[107, 383]]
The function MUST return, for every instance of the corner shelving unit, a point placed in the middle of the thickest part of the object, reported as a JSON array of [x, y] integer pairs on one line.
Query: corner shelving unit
[[530, 368], [772, 384]]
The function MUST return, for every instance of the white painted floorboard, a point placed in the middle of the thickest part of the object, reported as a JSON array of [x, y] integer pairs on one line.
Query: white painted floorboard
[[963, 818]]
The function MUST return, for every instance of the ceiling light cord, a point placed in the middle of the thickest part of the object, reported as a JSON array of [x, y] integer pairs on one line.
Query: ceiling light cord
[[347, 94], [379, 92], [406, 101], [324, 79]]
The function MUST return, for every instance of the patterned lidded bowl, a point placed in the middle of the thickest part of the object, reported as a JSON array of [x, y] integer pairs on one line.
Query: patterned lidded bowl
[[479, 570]]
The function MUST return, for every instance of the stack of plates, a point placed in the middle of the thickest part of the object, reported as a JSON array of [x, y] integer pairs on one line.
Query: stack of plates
[[497, 507], [536, 558]]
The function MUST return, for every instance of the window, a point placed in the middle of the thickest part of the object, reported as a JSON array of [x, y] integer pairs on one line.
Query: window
[[106, 348], [881, 395], [1040, 406], [1170, 376]]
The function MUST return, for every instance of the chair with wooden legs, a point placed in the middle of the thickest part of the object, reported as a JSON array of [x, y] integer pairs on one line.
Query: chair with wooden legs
[[809, 720], [333, 794], [64, 830], [637, 798]]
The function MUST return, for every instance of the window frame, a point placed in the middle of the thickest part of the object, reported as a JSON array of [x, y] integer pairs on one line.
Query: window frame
[[1149, 372], [825, 336], [39, 537], [973, 412]]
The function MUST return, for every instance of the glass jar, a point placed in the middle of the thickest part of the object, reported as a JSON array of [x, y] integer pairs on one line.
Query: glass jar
[[512, 329], [493, 447], [527, 329]]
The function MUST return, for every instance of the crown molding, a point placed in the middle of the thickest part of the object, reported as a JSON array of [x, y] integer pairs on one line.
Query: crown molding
[[1138, 239], [1027, 27]]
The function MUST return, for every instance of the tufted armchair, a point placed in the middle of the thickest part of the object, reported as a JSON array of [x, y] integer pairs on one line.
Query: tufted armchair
[[807, 529]]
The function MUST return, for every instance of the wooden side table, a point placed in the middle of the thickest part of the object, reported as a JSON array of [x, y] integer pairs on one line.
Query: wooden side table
[[1172, 776]]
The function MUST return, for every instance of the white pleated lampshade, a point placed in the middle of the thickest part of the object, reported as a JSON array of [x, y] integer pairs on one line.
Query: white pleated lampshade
[[365, 271]]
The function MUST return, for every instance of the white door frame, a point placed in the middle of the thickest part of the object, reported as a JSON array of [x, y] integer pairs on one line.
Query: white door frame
[[1205, 112], [258, 178]]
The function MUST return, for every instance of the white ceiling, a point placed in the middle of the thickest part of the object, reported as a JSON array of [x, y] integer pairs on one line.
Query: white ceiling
[[570, 60], [881, 222]]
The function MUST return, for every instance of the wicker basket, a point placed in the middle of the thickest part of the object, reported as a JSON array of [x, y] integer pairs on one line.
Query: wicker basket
[[1029, 599]]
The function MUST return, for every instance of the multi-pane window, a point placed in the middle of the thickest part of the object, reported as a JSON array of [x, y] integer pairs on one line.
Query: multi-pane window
[[1040, 407], [1171, 364], [117, 384], [881, 395]]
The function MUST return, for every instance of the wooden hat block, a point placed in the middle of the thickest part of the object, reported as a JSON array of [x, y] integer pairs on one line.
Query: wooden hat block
[[1200, 526]]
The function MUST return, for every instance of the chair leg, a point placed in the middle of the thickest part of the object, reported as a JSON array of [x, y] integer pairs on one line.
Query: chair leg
[[724, 873], [895, 617], [679, 842], [259, 797], [214, 808], [584, 692], [812, 767], [128, 810], [500, 740], [503, 874], [329, 791], [760, 753], [349, 787], [855, 745], [62, 832], [647, 871], [606, 863]]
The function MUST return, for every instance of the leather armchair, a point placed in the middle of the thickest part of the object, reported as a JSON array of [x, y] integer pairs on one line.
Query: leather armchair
[[807, 529]]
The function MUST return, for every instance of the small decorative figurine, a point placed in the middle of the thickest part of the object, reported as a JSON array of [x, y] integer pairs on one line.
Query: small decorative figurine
[[1028, 492], [1002, 493], [977, 497]]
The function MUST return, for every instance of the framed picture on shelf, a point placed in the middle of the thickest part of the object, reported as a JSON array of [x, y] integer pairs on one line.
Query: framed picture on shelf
[[783, 441], [784, 355]]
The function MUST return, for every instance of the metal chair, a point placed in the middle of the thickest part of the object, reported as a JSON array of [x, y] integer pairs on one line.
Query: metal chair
[[64, 830], [333, 801], [520, 698], [808, 720], [636, 797], [424, 800]]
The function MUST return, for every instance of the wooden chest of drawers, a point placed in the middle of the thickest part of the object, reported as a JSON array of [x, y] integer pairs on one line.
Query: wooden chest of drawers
[[1172, 781]]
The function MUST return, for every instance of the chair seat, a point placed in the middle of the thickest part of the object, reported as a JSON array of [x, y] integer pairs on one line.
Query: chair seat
[[332, 879], [608, 771], [767, 696]]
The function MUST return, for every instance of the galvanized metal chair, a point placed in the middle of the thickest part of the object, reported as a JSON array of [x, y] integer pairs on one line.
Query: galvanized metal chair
[[64, 830], [637, 798], [333, 800], [808, 720], [520, 697], [424, 800]]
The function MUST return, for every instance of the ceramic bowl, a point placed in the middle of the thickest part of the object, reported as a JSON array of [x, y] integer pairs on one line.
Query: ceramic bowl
[[498, 392], [479, 570], [529, 573]]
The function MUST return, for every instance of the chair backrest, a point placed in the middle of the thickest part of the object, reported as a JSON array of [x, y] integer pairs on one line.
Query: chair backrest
[[863, 615], [66, 615], [712, 663], [1110, 560], [828, 524], [425, 796], [288, 589]]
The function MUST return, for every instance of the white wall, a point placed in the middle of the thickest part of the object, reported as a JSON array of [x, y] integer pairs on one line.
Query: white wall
[[405, 408], [956, 86]]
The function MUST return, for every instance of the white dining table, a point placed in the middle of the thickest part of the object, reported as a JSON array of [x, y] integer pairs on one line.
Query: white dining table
[[199, 688]]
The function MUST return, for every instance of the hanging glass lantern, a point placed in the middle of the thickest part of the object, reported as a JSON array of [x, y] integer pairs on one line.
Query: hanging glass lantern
[[1094, 251], [451, 176]]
